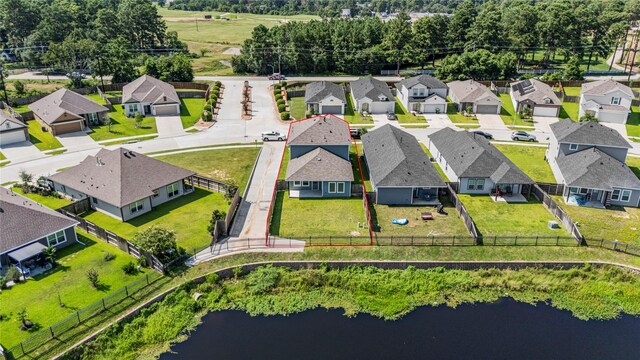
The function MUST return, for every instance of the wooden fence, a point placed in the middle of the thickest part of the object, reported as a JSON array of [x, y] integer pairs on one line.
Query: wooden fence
[[558, 212], [211, 184], [464, 214]]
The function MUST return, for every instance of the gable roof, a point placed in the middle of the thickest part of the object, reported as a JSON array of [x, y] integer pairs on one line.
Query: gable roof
[[592, 168], [470, 91], [471, 155], [320, 130], [534, 90], [370, 88], [588, 133], [147, 89], [395, 158], [6, 118], [319, 165], [23, 221], [120, 177], [64, 101], [426, 80], [601, 87], [319, 90]]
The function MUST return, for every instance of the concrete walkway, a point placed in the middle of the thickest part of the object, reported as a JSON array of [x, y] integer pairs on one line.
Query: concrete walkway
[[232, 246], [439, 121], [169, 126]]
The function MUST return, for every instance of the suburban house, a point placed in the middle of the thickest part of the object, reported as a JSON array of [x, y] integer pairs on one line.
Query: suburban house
[[607, 100], [399, 170], [372, 96], [535, 95], [27, 228], [122, 183], [470, 93], [150, 97], [423, 94], [324, 97], [478, 167], [319, 164], [65, 111], [12, 130], [589, 159]]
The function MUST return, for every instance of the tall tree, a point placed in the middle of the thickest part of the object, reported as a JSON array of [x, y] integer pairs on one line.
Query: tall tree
[[520, 19], [141, 24], [461, 21], [397, 37], [487, 31]]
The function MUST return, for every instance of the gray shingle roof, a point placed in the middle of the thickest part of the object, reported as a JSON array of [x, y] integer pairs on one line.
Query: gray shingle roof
[[395, 158], [534, 90], [592, 168], [471, 155], [64, 101], [23, 220], [319, 165], [587, 133], [370, 88], [147, 89], [602, 87], [426, 80], [4, 117], [316, 91], [120, 177], [320, 130], [470, 91]]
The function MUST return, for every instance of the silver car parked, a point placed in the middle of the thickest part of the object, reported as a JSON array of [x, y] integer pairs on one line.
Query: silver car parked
[[522, 136]]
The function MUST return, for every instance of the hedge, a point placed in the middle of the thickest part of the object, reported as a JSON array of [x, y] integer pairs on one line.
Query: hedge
[[284, 116]]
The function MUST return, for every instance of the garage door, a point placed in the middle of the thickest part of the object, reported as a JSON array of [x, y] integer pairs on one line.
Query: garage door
[[545, 111], [10, 137], [166, 110], [487, 109], [68, 127], [431, 109], [331, 109], [617, 117]]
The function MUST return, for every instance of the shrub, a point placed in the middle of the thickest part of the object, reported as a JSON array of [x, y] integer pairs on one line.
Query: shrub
[[284, 116], [129, 268], [280, 102], [215, 92], [108, 256], [283, 83], [142, 261], [263, 279], [218, 84], [213, 99], [13, 274], [278, 96], [282, 107], [158, 241], [212, 278], [207, 116], [93, 277]]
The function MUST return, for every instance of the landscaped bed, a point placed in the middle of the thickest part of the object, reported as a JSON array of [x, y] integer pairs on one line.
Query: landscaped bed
[[529, 159], [68, 283], [122, 126], [352, 116], [43, 140], [49, 201]]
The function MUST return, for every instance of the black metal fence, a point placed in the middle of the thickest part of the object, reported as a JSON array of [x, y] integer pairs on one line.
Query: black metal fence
[[558, 212], [614, 245], [462, 211]]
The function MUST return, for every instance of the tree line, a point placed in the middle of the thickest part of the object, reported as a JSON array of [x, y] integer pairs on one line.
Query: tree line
[[105, 37], [485, 41]]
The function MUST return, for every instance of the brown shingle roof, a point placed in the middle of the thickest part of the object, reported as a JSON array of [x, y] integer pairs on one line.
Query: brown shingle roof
[[64, 101]]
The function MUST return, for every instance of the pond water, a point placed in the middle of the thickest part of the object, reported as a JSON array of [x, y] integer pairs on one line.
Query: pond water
[[501, 330]]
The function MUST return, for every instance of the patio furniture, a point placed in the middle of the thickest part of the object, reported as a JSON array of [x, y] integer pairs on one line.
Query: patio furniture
[[400, 221], [427, 215]]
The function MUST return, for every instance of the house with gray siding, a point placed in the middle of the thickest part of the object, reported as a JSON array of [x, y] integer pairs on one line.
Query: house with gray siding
[[27, 228], [399, 170], [535, 95], [372, 96], [324, 97], [423, 94], [607, 100], [478, 167], [470, 94], [150, 97], [319, 164], [590, 160], [123, 184]]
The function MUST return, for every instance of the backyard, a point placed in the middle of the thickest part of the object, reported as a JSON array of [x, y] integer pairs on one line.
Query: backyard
[[297, 108], [569, 110], [43, 140], [504, 219], [40, 295], [617, 223], [191, 111], [530, 159], [405, 116], [121, 126], [507, 113], [633, 123]]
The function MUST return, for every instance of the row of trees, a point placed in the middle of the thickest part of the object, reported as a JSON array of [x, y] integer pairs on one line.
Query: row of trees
[[521, 29]]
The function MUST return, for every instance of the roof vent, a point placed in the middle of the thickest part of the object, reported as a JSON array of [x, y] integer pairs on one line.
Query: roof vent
[[127, 155]]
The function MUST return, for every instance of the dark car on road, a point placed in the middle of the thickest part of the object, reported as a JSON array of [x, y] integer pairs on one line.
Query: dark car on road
[[484, 134]]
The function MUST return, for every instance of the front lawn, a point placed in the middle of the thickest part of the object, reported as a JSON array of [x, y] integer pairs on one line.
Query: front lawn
[[352, 116], [302, 218], [48, 201], [297, 108], [228, 165], [456, 117], [569, 110], [68, 282], [405, 116], [191, 111], [507, 113], [442, 225], [122, 126], [634, 165], [41, 139], [617, 223], [187, 215], [504, 219], [633, 123], [530, 159]]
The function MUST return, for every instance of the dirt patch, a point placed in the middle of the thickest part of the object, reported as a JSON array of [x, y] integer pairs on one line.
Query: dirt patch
[[232, 51], [355, 233], [226, 63]]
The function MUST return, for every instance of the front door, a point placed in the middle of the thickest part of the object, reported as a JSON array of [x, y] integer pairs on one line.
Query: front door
[[147, 109], [315, 185], [415, 107]]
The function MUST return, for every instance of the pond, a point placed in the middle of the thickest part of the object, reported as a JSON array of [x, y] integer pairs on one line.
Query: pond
[[502, 330]]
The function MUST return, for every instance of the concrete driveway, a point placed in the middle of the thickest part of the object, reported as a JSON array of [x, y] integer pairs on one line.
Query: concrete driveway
[[78, 140], [491, 122], [542, 123], [169, 126], [439, 121], [21, 151]]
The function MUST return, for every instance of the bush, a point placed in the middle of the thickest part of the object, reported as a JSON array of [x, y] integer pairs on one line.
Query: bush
[[129, 268], [13, 274], [283, 83], [158, 241], [278, 97], [215, 92], [218, 84], [207, 116], [280, 102], [93, 277], [284, 116], [108, 256], [282, 108]]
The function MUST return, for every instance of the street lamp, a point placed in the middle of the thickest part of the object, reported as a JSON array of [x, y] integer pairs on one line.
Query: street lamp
[[273, 71]]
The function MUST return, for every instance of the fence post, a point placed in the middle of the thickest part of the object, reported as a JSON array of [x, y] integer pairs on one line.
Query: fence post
[[557, 240], [494, 239], [51, 331], [126, 290], [515, 241], [103, 306], [411, 240], [78, 316], [454, 240]]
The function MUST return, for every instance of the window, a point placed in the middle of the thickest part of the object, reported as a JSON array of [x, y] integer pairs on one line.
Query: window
[[155, 194], [615, 195], [305, 184], [621, 195], [332, 188], [56, 238], [173, 190], [584, 191], [573, 190], [573, 147], [475, 184], [615, 101], [93, 118], [480, 184], [297, 183], [341, 187], [136, 206]]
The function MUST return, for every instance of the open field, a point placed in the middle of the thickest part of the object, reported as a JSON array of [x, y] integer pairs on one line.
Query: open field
[[530, 159], [41, 139]]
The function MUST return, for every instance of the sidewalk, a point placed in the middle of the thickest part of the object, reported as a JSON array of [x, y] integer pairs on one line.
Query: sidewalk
[[233, 246]]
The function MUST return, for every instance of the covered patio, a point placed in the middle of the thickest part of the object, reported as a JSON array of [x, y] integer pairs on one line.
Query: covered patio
[[594, 198], [29, 260], [425, 196]]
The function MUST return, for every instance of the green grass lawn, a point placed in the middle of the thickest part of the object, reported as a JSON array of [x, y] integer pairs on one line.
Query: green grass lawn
[[49, 201], [300, 218], [503, 219], [405, 116], [97, 98], [435, 164], [507, 113], [297, 108], [441, 225], [190, 111], [2, 157], [634, 165], [354, 117], [359, 178], [228, 165], [457, 118], [284, 164], [187, 215], [570, 110], [633, 123], [617, 223], [121, 126], [39, 294], [529, 159], [42, 140], [572, 90]]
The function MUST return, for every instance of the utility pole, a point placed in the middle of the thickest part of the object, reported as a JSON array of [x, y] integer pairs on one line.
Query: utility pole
[[100, 71], [279, 65], [4, 88]]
